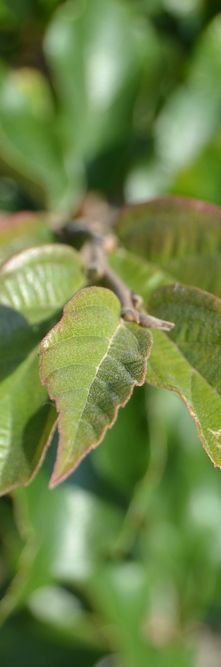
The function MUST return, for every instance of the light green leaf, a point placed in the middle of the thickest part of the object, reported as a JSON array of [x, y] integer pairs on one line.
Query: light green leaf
[[188, 360], [201, 179], [99, 52], [123, 596], [191, 116], [182, 237], [38, 281], [30, 141], [67, 534], [22, 230], [34, 284], [90, 362], [140, 275]]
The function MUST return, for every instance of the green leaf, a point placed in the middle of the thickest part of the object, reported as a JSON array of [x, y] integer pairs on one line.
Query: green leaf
[[38, 281], [27, 422], [22, 230], [34, 284], [188, 360], [181, 236], [124, 455], [30, 141], [123, 596], [140, 275], [90, 362], [191, 115], [99, 52], [67, 535]]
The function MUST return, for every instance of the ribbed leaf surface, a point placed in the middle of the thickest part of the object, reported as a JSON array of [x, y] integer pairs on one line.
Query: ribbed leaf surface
[[90, 362], [188, 360], [181, 236], [38, 281]]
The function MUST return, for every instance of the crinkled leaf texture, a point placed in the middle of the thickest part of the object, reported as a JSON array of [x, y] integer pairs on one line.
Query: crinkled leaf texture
[[90, 361], [188, 359], [180, 236], [34, 285]]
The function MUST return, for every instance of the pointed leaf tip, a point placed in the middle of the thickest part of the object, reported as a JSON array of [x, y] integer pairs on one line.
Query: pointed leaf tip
[[90, 362]]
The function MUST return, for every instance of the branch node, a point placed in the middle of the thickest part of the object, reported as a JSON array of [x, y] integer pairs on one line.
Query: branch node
[[95, 271], [130, 315], [136, 300]]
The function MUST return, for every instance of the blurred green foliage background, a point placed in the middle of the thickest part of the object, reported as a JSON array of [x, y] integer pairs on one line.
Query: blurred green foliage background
[[121, 565]]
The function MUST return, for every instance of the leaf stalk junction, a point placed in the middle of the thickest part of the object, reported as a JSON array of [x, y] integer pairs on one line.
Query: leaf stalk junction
[[95, 257]]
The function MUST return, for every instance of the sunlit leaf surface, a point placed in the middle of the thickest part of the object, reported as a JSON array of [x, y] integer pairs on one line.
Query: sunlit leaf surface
[[90, 362], [34, 284]]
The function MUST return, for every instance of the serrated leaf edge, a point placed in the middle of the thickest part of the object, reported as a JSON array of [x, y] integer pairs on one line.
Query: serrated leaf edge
[[57, 479], [178, 391]]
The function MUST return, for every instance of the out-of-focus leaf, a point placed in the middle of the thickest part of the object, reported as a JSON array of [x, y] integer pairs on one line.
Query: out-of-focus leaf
[[68, 533], [191, 115], [188, 360], [183, 8], [34, 284], [121, 593], [182, 236], [62, 611], [202, 178], [100, 53], [22, 230], [205, 66], [124, 454], [90, 362], [23, 636], [140, 275], [30, 141]]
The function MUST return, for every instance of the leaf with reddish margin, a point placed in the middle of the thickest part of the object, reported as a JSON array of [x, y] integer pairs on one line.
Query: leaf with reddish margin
[[90, 362], [188, 360], [22, 230], [182, 236]]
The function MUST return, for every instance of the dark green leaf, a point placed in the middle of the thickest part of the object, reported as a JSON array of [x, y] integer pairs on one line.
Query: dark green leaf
[[188, 360], [124, 455], [181, 236]]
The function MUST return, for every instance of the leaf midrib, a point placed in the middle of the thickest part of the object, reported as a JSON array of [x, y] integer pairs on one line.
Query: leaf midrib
[[91, 385]]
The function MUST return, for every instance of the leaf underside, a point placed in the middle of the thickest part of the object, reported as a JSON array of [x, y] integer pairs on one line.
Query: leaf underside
[[90, 361], [188, 360]]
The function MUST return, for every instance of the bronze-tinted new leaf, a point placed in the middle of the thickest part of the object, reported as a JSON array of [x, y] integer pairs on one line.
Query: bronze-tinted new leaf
[[182, 237]]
